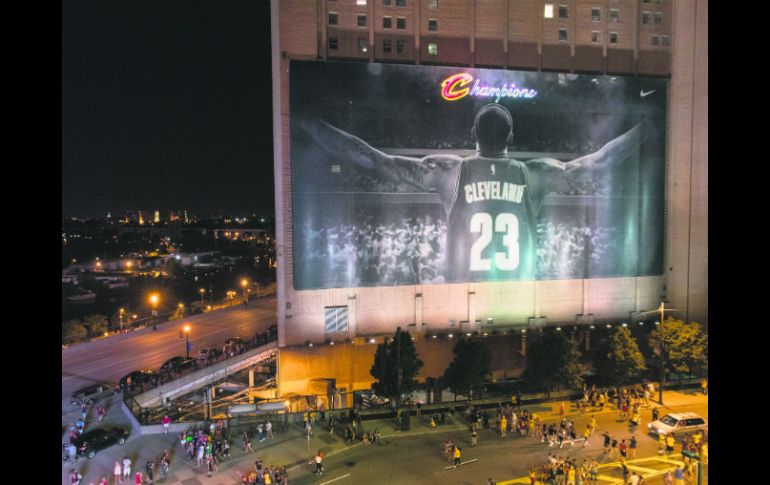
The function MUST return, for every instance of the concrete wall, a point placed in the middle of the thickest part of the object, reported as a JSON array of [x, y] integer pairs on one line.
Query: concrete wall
[[442, 308]]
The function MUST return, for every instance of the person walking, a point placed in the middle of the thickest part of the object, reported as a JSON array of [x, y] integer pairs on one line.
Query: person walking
[[163, 468], [149, 471], [261, 432], [632, 447], [503, 426], [269, 429], [100, 412], [670, 441], [117, 472], [457, 455], [126, 468], [75, 477], [209, 466], [166, 423], [661, 443], [704, 453], [138, 478], [319, 459], [103, 481], [586, 435], [247, 443]]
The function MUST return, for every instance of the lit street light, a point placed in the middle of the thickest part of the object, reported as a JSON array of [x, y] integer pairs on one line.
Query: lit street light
[[187, 333], [154, 298], [121, 314], [662, 309], [202, 291], [245, 285]]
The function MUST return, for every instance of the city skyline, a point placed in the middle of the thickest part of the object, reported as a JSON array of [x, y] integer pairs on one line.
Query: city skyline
[[166, 106]]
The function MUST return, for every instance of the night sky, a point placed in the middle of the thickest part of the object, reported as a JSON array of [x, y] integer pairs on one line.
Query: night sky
[[166, 104]]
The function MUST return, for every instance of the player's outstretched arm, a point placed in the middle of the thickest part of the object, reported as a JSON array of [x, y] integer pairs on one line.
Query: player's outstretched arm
[[342, 144], [612, 153]]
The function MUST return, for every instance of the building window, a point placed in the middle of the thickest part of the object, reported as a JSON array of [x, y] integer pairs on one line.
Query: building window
[[400, 23], [386, 46], [665, 40], [400, 3], [386, 3], [614, 15], [432, 49], [362, 45], [595, 36], [361, 3], [387, 22], [432, 25], [562, 34], [658, 18], [655, 40], [332, 18], [548, 11], [596, 14], [613, 37], [646, 18], [335, 319], [432, 4], [563, 12], [333, 43], [361, 20], [400, 46]]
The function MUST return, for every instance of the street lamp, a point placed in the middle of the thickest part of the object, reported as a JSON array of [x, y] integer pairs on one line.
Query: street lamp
[[245, 284], [121, 314], [202, 291], [187, 333], [154, 298], [128, 266], [181, 310], [662, 309]]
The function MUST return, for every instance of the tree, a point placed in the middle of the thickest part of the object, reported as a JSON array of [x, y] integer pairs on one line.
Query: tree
[[96, 324], [618, 358], [73, 330], [395, 367], [685, 346], [552, 361], [471, 366]]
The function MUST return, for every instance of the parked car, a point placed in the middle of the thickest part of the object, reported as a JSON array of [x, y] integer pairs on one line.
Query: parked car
[[98, 439], [144, 377], [209, 354], [93, 392], [178, 364], [678, 423]]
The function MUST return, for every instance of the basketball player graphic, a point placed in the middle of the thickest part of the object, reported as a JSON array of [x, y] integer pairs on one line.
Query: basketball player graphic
[[491, 201]]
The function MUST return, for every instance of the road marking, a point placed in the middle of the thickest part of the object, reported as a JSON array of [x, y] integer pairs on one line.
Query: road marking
[[335, 479], [461, 463], [645, 472]]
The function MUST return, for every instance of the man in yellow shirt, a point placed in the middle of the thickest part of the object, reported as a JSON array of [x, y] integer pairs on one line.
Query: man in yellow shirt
[[503, 426], [457, 455], [670, 441], [661, 444]]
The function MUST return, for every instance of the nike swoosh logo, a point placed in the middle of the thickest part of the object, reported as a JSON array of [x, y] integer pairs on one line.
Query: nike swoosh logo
[[643, 94]]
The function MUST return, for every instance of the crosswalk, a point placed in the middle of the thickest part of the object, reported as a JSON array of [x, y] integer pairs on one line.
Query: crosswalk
[[610, 473]]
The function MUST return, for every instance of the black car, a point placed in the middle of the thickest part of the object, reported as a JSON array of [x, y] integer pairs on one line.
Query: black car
[[177, 364], [98, 439], [91, 393], [140, 378]]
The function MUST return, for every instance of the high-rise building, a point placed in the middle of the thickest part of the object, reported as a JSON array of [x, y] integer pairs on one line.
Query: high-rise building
[[661, 40], [156, 217], [141, 218]]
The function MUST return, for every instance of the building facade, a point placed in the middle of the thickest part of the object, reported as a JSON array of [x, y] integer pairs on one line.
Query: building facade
[[650, 38]]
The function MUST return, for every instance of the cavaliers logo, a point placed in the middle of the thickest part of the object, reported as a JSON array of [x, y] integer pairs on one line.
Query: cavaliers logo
[[454, 87]]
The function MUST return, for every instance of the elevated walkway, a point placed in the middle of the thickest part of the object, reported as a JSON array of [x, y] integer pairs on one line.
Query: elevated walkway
[[206, 376]]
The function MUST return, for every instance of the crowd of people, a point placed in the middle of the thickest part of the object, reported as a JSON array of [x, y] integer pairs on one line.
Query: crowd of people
[[571, 249]]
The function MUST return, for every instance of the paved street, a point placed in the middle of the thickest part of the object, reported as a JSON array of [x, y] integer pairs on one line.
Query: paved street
[[111, 358], [412, 457]]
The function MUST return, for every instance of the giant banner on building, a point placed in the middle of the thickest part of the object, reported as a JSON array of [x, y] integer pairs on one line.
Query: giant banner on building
[[406, 175]]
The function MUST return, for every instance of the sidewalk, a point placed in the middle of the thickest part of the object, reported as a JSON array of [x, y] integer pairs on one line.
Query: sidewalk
[[292, 450]]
